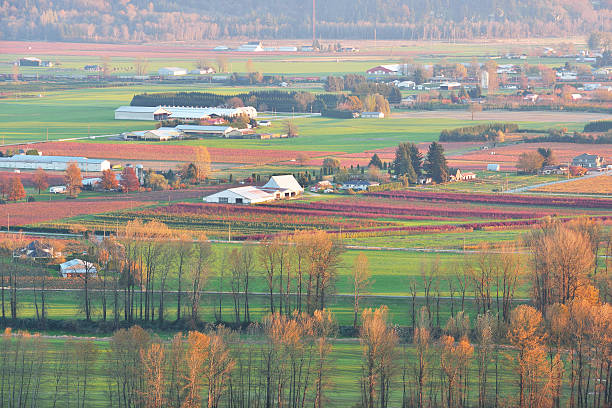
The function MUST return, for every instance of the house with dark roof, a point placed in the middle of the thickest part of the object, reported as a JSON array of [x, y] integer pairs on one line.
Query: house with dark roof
[[589, 161], [36, 250]]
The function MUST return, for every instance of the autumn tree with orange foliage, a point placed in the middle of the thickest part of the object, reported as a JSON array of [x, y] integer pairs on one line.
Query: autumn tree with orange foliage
[[202, 163], [109, 180], [40, 179], [73, 179], [16, 191], [129, 180], [379, 364]]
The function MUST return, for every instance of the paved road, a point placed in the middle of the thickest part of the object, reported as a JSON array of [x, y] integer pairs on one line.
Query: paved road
[[527, 188]]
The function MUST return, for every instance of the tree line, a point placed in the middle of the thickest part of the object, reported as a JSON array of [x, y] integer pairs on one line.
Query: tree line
[[171, 20]]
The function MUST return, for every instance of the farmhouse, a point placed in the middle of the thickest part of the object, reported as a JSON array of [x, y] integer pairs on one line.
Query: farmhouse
[[372, 115], [558, 169], [393, 69], [36, 250], [77, 268], [171, 71], [588, 161], [287, 185], [460, 176], [59, 163], [241, 195], [361, 185]]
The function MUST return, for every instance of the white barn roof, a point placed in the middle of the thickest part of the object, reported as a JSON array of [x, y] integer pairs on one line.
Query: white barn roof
[[284, 182], [142, 109]]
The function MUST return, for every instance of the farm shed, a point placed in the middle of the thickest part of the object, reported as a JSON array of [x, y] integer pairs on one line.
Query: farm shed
[[251, 46], [286, 184], [59, 163], [179, 112], [241, 195], [197, 130], [393, 69], [448, 86], [77, 268], [141, 113], [161, 134], [372, 115], [30, 62], [492, 167], [172, 71]]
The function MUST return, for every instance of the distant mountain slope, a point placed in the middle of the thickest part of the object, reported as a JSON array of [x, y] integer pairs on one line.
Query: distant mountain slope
[[146, 20]]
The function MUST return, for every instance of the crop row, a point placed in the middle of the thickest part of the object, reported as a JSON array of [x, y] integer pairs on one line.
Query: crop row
[[575, 202], [305, 210], [131, 151], [411, 211]]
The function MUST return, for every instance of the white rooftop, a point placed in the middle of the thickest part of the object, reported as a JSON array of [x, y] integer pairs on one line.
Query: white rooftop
[[251, 192], [284, 182], [23, 158]]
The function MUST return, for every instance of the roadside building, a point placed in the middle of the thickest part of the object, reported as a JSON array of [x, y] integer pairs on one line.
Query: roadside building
[[241, 195], [559, 169], [171, 71], [58, 163], [372, 115], [492, 167], [78, 268], [449, 86], [588, 161], [203, 71], [461, 176]]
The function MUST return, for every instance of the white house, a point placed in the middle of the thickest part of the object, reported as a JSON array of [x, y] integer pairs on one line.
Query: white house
[[287, 185], [241, 195], [171, 71], [78, 268], [57, 189], [372, 115]]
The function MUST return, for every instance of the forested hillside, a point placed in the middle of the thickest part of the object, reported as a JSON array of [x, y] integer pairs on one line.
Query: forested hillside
[[146, 20]]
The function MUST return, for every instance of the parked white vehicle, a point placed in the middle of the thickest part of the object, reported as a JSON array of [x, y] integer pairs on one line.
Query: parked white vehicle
[[57, 189]]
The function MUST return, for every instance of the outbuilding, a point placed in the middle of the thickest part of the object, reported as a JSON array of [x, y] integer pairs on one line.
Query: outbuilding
[[241, 195], [78, 268], [141, 113], [492, 167], [372, 115], [58, 163], [171, 71], [286, 184]]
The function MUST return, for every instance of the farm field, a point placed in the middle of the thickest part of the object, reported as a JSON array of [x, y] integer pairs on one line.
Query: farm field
[[595, 185]]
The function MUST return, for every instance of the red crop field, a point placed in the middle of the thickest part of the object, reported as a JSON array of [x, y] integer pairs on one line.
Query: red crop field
[[509, 155], [180, 153], [27, 178], [35, 212]]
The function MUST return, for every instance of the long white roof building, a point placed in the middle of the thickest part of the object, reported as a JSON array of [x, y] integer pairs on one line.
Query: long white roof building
[[59, 163], [179, 112]]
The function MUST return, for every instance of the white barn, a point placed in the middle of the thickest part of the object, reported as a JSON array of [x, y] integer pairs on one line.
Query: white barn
[[241, 195], [141, 113], [372, 115], [286, 184], [78, 268], [180, 112], [58, 163], [172, 71]]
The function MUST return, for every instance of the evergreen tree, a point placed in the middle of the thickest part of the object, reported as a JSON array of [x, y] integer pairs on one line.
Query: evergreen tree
[[416, 157], [375, 161], [402, 165], [435, 163]]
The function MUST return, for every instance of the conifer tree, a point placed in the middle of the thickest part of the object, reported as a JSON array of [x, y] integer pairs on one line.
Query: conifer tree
[[435, 163]]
